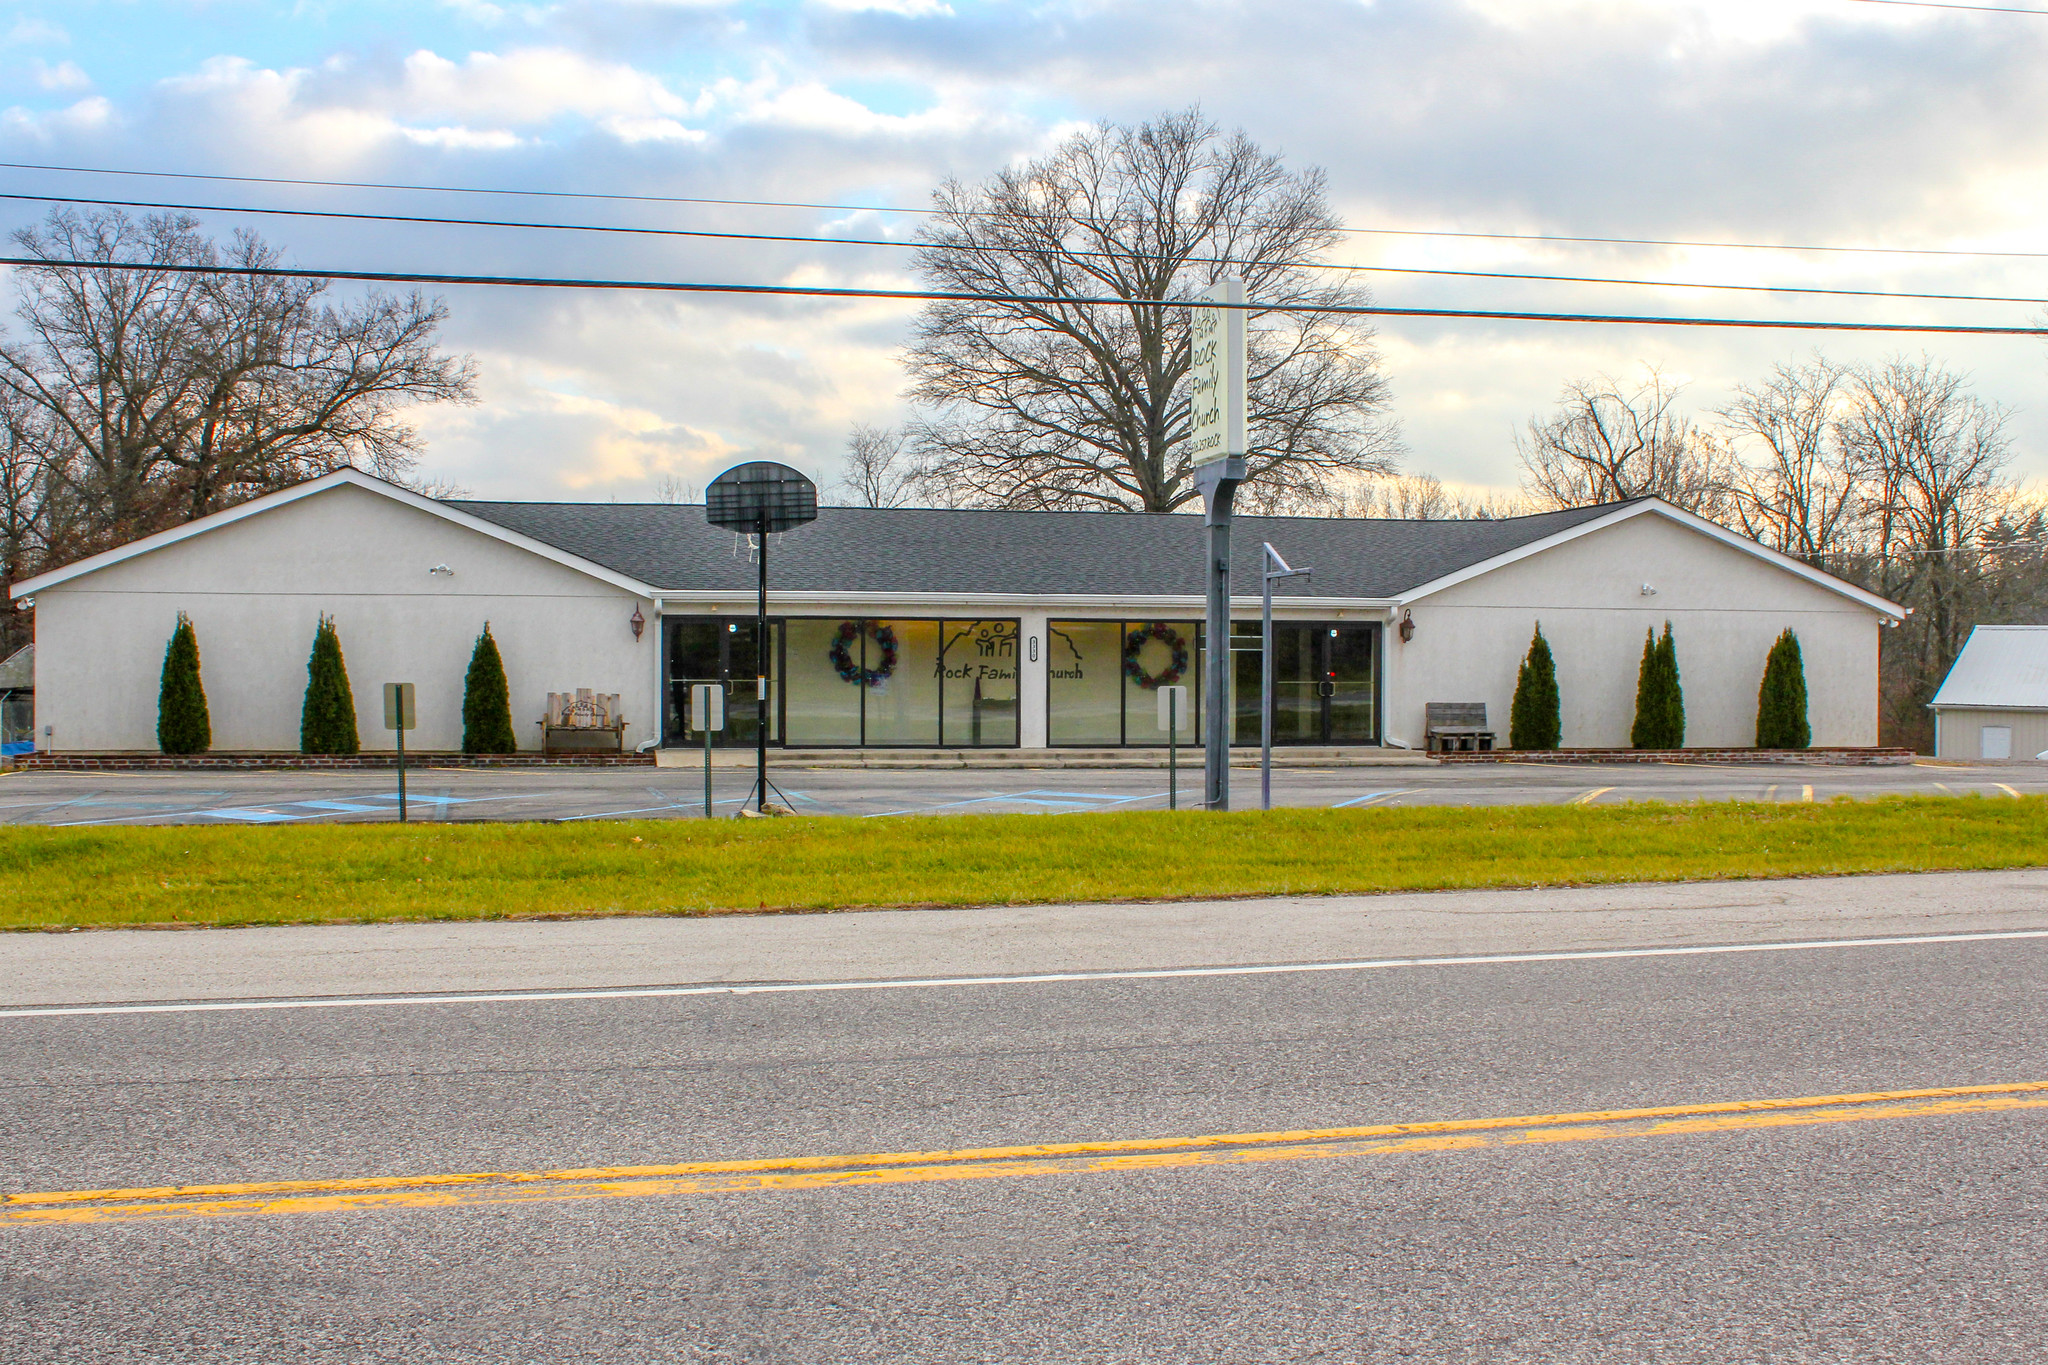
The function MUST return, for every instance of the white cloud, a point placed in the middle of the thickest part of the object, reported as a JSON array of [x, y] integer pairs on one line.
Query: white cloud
[[91, 115], [527, 87], [62, 76], [29, 32], [462, 139], [910, 8], [630, 130]]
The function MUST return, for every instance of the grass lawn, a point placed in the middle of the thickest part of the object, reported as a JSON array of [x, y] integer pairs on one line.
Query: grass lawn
[[113, 875]]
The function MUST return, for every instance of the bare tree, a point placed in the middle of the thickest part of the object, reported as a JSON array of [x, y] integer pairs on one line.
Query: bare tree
[[1799, 496], [1422, 497], [668, 488], [1929, 459], [154, 397], [1068, 405], [1607, 443], [878, 468]]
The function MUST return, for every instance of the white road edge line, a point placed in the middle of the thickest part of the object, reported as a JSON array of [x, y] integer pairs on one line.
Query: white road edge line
[[924, 983]]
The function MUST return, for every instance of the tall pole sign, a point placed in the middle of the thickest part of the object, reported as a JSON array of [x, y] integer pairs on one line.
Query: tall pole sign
[[1216, 444]]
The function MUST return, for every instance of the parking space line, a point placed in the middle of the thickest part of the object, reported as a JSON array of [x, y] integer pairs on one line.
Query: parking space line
[[1374, 796], [1806, 793], [2009, 791], [1588, 798]]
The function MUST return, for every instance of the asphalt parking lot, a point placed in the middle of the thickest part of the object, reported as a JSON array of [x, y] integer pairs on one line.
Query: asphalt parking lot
[[267, 798]]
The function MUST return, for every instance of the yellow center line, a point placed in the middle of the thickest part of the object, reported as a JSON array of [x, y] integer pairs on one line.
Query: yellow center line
[[799, 1173], [1587, 798]]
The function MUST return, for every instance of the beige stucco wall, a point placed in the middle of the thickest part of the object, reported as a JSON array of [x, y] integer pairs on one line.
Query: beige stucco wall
[[255, 588], [1725, 606], [1960, 733]]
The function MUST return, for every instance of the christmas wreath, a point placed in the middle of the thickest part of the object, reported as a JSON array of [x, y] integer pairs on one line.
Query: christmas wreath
[[1176, 667], [848, 667]]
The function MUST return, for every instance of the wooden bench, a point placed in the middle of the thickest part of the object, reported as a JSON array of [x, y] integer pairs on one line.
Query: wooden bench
[[1456, 726], [583, 722]]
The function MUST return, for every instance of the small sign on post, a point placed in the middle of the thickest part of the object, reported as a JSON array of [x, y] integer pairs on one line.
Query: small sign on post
[[707, 713], [1173, 705], [400, 715]]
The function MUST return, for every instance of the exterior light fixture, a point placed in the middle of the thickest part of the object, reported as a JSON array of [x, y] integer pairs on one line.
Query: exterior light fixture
[[1649, 591], [1407, 627], [639, 622], [442, 571]]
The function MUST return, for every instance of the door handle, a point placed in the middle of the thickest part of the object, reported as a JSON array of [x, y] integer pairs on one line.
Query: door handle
[[1327, 689]]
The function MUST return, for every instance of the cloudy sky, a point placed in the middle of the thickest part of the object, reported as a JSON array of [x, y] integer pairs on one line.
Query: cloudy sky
[[1807, 123]]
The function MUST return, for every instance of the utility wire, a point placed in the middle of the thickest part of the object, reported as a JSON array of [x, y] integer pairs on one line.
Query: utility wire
[[695, 233], [1938, 4], [1039, 300], [888, 208]]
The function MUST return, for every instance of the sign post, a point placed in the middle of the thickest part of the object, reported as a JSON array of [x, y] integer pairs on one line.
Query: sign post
[[1272, 569], [707, 713], [400, 715], [1173, 700], [1216, 447]]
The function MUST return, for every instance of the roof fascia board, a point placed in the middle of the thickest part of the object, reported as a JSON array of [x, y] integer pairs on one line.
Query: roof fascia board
[[1021, 601], [1980, 706], [1670, 513], [354, 478]]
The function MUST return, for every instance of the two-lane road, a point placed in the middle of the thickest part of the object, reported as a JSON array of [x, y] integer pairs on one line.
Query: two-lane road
[[1822, 1152]]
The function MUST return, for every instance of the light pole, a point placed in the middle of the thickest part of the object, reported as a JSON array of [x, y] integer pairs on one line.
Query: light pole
[[1268, 576]]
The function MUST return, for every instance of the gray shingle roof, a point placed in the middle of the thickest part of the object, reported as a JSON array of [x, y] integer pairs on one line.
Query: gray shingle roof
[[857, 549]]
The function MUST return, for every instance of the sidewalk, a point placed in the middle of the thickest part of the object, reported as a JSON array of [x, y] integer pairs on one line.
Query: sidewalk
[[206, 964]]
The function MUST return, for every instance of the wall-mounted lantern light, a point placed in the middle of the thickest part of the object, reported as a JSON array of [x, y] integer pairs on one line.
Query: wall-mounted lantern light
[[1407, 627], [639, 622]]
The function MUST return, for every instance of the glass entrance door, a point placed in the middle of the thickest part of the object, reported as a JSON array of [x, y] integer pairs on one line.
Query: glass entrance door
[[1324, 691], [723, 651]]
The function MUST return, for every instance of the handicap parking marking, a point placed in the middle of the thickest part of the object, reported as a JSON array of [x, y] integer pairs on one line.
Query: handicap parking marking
[[1374, 796], [1041, 797], [246, 814]]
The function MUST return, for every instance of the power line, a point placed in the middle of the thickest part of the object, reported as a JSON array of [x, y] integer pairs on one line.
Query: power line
[[890, 208], [1938, 4], [704, 234], [1042, 300]]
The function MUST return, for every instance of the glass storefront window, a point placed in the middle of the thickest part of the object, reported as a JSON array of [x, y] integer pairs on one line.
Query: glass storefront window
[[902, 700], [978, 664], [1097, 680], [1084, 682], [822, 706], [1156, 654]]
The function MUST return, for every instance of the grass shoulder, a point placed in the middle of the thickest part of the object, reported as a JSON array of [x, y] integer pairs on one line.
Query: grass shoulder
[[111, 876]]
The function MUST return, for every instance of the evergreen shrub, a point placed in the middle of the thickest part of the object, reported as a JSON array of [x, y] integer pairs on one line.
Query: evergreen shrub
[[1534, 721], [327, 724], [487, 702], [1660, 700], [1781, 701], [182, 724]]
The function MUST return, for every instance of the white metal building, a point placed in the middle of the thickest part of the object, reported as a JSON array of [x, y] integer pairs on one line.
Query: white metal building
[[921, 627], [1994, 701]]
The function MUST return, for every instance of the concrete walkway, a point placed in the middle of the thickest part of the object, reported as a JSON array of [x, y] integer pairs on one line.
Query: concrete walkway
[[209, 964]]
